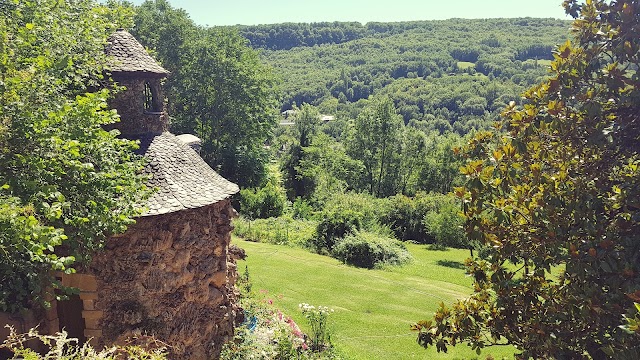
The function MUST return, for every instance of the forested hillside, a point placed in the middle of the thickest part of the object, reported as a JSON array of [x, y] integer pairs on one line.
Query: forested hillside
[[454, 74], [495, 136], [548, 193]]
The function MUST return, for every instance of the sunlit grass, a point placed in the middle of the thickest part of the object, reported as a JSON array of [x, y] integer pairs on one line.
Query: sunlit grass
[[462, 65], [373, 308]]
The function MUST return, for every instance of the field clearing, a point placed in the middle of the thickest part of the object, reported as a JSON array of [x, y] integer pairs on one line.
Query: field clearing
[[373, 308], [462, 65]]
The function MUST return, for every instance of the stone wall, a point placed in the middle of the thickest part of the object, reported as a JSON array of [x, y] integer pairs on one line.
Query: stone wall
[[130, 103], [170, 276]]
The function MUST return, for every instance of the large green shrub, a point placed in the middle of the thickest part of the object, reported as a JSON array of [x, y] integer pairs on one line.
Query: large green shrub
[[425, 218], [404, 216], [335, 225], [368, 206], [444, 223], [369, 250], [262, 203]]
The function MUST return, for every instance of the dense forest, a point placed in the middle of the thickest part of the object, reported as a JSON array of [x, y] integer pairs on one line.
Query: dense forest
[[457, 71], [516, 139]]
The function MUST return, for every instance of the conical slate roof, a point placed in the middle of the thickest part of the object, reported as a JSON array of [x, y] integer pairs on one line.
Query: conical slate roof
[[183, 179], [128, 55]]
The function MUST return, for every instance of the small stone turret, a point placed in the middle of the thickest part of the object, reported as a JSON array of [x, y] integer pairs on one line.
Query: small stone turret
[[141, 104], [170, 274]]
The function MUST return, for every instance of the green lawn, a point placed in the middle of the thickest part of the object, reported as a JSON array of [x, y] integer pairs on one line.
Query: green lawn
[[373, 308], [465, 65]]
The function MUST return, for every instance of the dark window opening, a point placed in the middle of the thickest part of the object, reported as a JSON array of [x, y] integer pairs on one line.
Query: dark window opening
[[151, 103]]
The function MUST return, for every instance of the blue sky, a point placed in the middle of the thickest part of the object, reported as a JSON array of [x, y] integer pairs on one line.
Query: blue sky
[[250, 12]]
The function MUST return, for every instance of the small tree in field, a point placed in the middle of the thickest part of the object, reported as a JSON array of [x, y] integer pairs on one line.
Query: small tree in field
[[556, 196]]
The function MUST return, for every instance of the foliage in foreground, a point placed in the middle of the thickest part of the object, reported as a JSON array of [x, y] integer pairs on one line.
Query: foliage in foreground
[[65, 181], [60, 347], [560, 188], [318, 318], [268, 334]]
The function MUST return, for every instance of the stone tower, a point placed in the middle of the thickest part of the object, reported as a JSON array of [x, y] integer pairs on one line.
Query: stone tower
[[170, 275], [141, 104]]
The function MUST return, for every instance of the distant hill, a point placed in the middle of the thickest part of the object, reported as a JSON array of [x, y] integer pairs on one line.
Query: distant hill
[[446, 69]]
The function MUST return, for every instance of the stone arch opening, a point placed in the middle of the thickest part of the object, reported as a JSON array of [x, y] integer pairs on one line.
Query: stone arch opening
[[152, 101]]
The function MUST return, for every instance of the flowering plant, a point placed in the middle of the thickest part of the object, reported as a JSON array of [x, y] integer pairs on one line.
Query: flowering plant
[[267, 333], [318, 319]]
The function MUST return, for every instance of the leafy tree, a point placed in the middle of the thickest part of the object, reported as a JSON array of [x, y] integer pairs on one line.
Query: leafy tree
[[559, 192], [444, 223], [233, 108], [330, 168], [167, 31], [218, 89], [374, 140], [440, 171], [262, 203], [66, 183], [306, 121], [412, 156]]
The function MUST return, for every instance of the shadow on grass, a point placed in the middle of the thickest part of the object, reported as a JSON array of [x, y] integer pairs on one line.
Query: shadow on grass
[[434, 247], [451, 264]]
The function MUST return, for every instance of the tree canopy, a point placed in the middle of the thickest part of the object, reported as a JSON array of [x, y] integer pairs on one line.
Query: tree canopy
[[554, 196], [218, 89], [66, 183], [463, 71]]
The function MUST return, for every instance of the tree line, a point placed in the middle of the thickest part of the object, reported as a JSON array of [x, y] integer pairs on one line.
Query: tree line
[[428, 120], [406, 60]]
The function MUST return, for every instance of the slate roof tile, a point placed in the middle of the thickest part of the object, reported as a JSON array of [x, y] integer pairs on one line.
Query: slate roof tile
[[128, 55], [183, 179]]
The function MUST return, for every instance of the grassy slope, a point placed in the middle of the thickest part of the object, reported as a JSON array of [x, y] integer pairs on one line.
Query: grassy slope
[[373, 308]]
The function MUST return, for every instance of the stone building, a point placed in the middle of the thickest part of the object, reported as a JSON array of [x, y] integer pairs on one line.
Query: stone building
[[171, 274]]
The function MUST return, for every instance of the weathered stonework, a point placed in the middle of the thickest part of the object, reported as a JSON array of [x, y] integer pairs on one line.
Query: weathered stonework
[[170, 276], [134, 118]]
